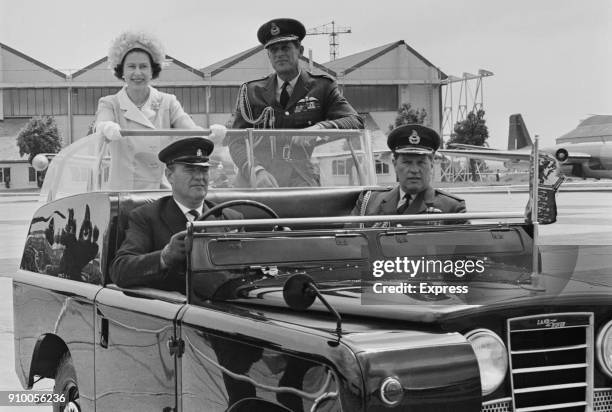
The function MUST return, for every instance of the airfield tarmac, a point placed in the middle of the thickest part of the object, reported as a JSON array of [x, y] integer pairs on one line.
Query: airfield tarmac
[[584, 223]]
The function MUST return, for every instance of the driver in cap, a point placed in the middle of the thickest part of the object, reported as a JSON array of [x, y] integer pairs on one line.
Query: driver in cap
[[153, 252]]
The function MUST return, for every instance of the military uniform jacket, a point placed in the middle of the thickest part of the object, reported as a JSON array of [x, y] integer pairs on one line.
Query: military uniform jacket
[[150, 227], [315, 99], [385, 203]]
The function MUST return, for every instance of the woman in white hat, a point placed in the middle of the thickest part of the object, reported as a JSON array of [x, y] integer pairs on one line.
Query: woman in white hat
[[137, 58]]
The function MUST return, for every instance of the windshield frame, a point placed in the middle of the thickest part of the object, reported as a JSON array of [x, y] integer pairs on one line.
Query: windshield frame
[[87, 165]]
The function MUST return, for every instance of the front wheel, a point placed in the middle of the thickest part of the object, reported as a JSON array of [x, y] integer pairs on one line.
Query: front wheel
[[66, 385]]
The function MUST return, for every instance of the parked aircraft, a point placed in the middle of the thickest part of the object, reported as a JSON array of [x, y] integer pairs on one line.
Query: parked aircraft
[[589, 159]]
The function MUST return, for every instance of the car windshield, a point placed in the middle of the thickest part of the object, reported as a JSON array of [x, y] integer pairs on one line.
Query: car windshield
[[290, 158], [349, 262]]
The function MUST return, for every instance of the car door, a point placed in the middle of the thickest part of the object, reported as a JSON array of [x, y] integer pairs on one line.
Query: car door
[[54, 289], [134, 349]]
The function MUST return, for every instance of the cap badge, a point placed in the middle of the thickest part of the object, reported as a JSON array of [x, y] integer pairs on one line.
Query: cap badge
[[199, 153], [414, 138], [274, 29]]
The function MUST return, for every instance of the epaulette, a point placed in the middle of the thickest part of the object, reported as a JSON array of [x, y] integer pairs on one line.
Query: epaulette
[[380, 188], [321, 76], [255, 80], [442, 192]]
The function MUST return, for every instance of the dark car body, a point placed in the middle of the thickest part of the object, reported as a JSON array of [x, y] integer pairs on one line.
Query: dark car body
[[303, 319], [226, 348]]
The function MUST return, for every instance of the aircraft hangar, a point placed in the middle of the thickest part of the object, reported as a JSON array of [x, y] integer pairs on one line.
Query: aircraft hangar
[[376, 81]]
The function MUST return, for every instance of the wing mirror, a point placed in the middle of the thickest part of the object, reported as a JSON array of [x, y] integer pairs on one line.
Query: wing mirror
[[300, 292]]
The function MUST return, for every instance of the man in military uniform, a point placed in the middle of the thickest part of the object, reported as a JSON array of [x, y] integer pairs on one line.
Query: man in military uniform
[[289, 98], [153, 252], [413, 148]]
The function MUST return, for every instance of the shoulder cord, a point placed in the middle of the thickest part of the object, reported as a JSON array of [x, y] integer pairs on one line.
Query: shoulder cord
[[364, 205], [266, 118]]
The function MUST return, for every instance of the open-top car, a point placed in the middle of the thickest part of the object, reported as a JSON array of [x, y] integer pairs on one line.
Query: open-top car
[[300, 305]]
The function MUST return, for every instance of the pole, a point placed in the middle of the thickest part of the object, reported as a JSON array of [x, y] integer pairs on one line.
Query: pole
[[534, 205]]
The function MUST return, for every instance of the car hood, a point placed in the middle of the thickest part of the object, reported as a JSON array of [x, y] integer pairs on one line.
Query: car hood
[[350, 298]]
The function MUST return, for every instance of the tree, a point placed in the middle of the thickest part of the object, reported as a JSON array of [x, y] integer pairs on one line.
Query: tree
[[406, 114], [473, 131], [39, 135]]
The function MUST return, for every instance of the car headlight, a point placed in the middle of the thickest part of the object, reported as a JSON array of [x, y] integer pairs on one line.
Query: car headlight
[[391, 391], [492, 358], [604, 348]]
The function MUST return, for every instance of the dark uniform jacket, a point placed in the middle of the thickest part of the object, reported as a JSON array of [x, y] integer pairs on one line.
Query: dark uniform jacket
[[385, 203], [315, 99], [137, 262]]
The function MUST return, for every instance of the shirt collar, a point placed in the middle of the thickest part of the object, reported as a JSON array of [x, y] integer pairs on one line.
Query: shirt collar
[[128, 101], [292, 82], [402, 198], [186, 209]]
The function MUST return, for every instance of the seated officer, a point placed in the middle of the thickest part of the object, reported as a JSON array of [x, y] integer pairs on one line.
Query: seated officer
[[413, 148], [153, 252]]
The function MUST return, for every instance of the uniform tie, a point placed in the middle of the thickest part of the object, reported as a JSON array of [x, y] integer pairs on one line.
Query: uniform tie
[[401, 209], [284, 96], [194, 213]]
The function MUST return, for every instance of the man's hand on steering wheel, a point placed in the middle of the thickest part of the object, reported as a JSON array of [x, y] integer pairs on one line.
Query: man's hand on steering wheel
[[174, 252]]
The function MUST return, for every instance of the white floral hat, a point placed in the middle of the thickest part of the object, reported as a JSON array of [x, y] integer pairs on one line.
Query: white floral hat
[[130, 40]]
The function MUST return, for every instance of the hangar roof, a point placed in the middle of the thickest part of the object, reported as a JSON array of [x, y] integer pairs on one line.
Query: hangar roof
[[98, 72], [252, 63], [18, 67], [594, 128], [395, 60]]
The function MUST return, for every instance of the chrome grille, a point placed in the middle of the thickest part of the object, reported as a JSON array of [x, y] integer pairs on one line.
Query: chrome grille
[[551, 362], [602, 402], [498, 405]]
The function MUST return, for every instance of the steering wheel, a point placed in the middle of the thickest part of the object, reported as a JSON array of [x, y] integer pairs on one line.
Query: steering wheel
[[216, 210]]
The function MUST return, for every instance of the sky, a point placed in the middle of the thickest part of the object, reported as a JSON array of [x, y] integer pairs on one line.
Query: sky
[[551, 59]]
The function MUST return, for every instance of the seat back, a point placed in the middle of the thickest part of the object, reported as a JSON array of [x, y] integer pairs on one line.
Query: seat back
[[286, 202], [290, 202]]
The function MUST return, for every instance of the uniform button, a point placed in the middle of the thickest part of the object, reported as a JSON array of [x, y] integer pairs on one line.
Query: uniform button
[[286, 113]]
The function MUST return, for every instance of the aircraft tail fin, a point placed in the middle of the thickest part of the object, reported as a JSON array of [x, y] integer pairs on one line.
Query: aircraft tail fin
[[518, 136]]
